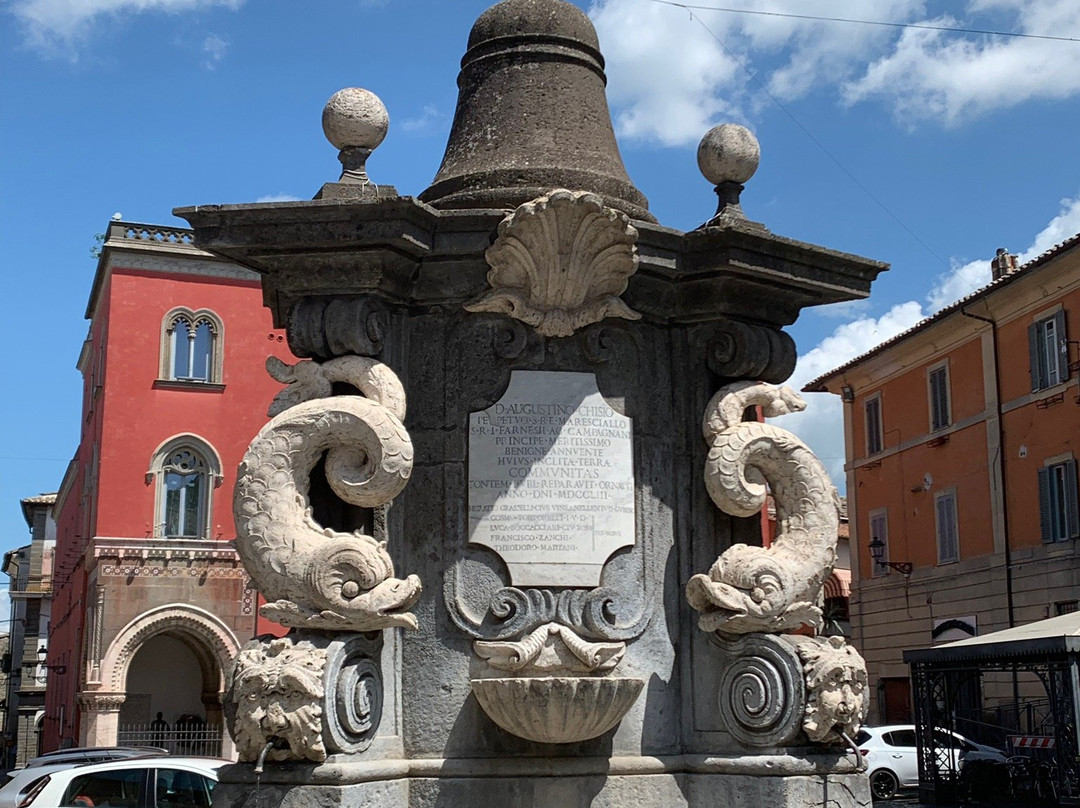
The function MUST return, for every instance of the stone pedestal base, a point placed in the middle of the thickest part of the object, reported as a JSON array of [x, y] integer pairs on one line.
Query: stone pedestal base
[[664, 790]]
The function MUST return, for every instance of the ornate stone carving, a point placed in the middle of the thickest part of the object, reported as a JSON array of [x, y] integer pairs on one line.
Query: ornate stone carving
[[560, 263], [551, 649], [315, 577], [326, 327], [837, 696], [90, 701], [596, 614], [761, 693], [557, 709], [740, 350], [308, 381], [748, 588], [277, 697], [354, 693], [307, 694]]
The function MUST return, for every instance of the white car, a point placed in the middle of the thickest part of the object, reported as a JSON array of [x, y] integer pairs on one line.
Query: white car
[[150, 782], [892, 759]]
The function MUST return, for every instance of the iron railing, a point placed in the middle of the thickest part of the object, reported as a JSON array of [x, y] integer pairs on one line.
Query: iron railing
[[198, 739]]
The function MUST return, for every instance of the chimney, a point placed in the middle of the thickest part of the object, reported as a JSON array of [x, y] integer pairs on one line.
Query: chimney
[[1004, 263]]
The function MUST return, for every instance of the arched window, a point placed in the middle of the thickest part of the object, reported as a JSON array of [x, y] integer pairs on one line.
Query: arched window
[[186, 471], [191, 346]]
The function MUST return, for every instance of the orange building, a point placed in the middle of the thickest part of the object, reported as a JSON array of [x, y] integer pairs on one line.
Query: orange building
[[150, 602], [961, 440]]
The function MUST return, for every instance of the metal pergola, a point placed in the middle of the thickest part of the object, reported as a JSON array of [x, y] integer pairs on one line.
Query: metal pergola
[[1049, 651]]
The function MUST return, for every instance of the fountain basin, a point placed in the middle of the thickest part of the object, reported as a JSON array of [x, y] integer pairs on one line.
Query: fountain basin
[[557, 709]]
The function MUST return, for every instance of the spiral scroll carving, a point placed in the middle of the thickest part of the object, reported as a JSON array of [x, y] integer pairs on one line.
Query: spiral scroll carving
[[354, 681], [761, 692]]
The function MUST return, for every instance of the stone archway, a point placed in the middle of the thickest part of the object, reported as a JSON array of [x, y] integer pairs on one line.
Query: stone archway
[[210, 639]]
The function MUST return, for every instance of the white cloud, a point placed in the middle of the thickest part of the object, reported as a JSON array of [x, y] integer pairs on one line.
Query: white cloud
[[214, 48], [671, 79], [821, 425], [61, 25], [934, 75], [425, 121], [278, 198], [1063, 226]]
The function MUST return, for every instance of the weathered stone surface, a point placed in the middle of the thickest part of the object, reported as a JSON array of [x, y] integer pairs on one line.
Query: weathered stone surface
[[560, 263], [532, 78], [372, 274], [551, 479], [751, 589], [557, 709]]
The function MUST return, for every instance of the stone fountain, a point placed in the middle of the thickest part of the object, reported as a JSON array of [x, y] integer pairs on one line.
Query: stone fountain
[[508, 502]]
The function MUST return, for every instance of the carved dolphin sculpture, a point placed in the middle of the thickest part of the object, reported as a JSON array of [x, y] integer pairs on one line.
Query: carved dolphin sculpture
[[778, 588], [315, 577]]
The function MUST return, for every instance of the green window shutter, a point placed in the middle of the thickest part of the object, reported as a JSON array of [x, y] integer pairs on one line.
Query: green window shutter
[[1061, 355], [1072, 506], [1045, 505], [1038, 381]]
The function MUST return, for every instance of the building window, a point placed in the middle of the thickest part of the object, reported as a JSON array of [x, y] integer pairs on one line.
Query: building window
[[879, 531], [185, 470], [948, 541], [874, 441], [1049, 350], [1065, 607], [1059, 511], [191, 346], [940, 415]]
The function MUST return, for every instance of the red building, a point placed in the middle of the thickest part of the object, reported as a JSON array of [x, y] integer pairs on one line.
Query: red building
[[150, 600]]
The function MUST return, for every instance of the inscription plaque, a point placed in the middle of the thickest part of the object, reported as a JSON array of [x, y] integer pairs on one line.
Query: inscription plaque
[[551, 479]]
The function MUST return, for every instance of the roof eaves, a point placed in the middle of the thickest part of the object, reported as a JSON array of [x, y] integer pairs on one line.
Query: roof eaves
[[818, 385]]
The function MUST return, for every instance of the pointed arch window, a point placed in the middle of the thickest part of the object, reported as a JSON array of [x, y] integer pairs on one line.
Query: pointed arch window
[[191, 346], [186, 471]]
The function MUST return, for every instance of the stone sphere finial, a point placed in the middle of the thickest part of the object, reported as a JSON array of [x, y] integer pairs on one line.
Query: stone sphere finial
[[355, 122], [728, 153], [728, 156]]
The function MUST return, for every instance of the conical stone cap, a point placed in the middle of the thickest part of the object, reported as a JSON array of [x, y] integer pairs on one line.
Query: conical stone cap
[[532, 115]]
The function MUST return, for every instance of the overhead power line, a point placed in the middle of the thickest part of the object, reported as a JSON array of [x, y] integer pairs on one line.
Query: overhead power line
[[805, 130], [883, 23]]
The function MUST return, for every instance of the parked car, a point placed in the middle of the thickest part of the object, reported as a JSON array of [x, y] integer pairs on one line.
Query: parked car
[[22, 780], [94, 754], [145, 782], [892, 759]]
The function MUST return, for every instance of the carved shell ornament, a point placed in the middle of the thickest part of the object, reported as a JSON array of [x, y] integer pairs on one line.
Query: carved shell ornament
[[777, 589], [316, 577], [560, 262]]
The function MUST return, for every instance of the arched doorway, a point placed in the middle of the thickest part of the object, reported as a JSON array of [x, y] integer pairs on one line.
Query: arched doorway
[[169, 679], [170, 660]]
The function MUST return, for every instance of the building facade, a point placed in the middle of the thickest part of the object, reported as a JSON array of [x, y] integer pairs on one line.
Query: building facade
[[151, 601], [961, 441], [30, 571]]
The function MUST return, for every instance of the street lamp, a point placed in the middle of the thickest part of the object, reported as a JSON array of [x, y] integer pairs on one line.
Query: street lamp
[[43, 677], [877, 551]]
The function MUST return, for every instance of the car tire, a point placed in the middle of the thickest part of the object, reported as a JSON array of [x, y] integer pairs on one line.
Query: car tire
[[884, 784]]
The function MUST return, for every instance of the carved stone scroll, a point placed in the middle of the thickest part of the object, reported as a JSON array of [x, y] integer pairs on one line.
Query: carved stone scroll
[[551, 649], [560, 263]]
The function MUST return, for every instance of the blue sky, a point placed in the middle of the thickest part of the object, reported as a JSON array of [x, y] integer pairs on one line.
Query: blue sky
[[922, 148]]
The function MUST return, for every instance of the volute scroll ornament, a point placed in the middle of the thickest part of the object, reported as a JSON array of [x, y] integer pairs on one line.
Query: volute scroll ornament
[[560, 263]]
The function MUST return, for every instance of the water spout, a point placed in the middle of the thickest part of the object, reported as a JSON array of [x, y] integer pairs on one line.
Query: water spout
[[272, 743]]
